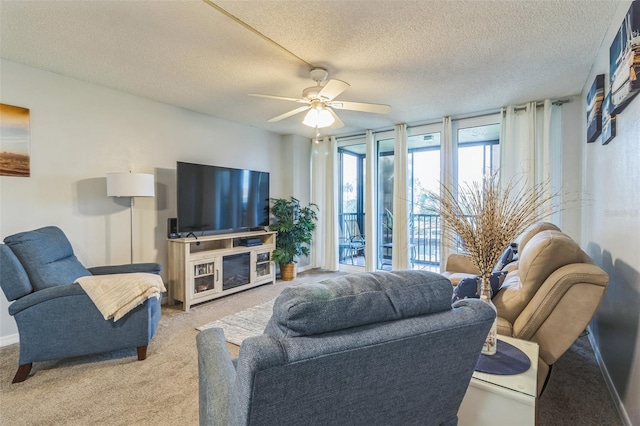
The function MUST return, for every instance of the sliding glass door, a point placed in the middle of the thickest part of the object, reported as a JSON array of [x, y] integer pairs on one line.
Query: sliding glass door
[[351, 216], [423, 176], [475, 146]]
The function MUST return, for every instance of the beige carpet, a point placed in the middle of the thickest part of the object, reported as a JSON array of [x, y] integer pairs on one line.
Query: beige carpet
[[115, 388]]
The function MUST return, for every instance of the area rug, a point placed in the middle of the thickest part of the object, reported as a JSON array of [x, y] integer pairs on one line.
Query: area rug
[[243, 324]]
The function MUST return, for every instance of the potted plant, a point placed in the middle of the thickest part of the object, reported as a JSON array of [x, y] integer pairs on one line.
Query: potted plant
[[295, 225]]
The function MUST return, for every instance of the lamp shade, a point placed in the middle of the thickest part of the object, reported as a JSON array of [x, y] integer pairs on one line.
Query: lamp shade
[[130, 185]]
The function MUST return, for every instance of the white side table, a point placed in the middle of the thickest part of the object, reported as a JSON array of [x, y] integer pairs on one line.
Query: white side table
[[507, 400]]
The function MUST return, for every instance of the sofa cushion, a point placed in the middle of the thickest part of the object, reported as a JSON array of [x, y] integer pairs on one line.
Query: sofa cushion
[[358, 299], [47, 257], [468, 287], [544, 253]]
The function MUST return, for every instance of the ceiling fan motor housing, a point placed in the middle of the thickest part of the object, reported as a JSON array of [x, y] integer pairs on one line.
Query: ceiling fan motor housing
[[312, 92], [318, 75]]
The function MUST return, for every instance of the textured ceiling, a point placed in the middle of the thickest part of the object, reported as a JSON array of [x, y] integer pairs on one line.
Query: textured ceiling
[[426, 59]]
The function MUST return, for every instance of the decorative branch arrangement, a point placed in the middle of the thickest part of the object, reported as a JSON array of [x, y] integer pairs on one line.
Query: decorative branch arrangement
[[486, 218]]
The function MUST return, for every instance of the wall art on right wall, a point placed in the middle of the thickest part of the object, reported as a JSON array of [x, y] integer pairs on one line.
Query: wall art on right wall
[[608, 121], [624, 60], [594, 108]]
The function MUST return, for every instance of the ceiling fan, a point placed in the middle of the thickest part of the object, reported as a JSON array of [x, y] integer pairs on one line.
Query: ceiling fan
[[319, 102]]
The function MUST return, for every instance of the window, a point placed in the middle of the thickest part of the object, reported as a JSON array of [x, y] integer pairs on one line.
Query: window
[[424, 177], [351, 215], [478, 152]]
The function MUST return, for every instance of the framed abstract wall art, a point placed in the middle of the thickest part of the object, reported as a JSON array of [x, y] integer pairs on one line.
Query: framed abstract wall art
[[608, 121], [624, 60], [14, 141], [594, 108]]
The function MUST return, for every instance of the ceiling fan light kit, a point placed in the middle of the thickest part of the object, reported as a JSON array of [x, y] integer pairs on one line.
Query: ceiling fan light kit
[[318, 116], [319, 101]]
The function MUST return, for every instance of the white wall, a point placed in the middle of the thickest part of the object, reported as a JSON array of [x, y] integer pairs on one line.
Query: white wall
[[297, 155], [80, 131], [611, 235], [572, 119]]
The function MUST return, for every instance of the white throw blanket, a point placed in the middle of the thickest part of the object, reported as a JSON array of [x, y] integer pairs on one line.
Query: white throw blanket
[[116, 294]]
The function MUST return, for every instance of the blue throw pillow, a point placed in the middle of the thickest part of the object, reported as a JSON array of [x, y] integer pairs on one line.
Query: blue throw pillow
[[468, 287], [508, 256]]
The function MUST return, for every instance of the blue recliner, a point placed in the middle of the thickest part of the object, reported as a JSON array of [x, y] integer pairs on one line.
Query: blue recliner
[[382, 348], [55, 317]]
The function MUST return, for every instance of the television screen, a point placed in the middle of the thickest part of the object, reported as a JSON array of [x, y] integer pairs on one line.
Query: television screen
[[212, 198]]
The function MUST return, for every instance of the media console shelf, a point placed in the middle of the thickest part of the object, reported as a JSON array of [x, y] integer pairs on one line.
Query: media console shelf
[[213, 266]]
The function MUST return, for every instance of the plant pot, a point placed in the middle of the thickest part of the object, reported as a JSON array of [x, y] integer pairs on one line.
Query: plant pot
[[287, 271]]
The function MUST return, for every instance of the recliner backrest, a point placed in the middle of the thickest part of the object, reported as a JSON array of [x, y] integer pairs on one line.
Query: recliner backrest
[[47, 257], [13, 279], [409, 361], [532, 230], [543, 254]]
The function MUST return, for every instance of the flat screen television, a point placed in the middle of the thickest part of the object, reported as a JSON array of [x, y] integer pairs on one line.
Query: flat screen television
[[214, 199]]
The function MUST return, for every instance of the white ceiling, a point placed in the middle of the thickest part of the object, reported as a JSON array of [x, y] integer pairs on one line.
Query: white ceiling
[[426, 59]]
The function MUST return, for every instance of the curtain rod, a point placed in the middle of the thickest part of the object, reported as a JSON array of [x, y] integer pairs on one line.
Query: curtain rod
[[558, 102], [411, 126], [540, 104]]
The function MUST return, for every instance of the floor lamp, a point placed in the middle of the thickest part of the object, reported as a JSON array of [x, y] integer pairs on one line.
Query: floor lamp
[[130, 185]]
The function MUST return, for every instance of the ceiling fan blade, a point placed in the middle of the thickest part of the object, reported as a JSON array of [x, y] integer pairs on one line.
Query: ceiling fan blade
[[289, 114], [337, 123], [361, 106], [282, 98], [332, 89]]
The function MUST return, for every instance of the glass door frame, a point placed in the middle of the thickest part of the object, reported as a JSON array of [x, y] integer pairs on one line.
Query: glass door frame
[[360, 192]]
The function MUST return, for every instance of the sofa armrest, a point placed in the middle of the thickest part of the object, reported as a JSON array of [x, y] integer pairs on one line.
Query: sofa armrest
[[461, 263], [44, 295], [153, 268], [216, 375]]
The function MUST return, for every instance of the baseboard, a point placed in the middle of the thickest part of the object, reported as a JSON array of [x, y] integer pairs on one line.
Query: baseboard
[[607, 379], [9, 340], [304, 268]]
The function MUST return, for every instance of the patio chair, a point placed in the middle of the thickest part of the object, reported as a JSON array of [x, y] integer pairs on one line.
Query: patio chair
[[354, 239]]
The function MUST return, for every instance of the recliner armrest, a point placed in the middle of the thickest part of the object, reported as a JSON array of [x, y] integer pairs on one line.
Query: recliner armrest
[[561, 309], [153, 268], [44, 295], [216, 375]]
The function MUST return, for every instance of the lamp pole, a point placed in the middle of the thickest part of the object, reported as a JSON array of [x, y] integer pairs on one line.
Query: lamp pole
[[131, 227]]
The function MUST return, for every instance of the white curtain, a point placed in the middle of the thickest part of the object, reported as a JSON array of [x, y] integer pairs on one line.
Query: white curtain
[[324, 193], [370, 208], [400, 249], [531, 148], [448, 170]]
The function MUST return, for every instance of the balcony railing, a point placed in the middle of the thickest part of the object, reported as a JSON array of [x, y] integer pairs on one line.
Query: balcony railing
[[424, 237]]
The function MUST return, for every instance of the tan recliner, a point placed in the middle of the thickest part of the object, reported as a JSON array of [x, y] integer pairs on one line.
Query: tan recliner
[[549, 296], [459, 266]]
